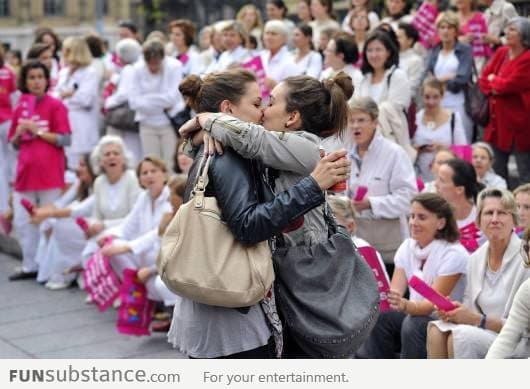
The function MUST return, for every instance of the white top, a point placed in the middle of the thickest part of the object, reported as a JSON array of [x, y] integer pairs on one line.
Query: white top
[[309, 65], [492, 180], [140, 227], [319, 26], [395, 22], [448, 64], [396, 91], [427, 135], [441, 259], [193, 65], [387, 172], [84, 208], [413, 66], [280, 66], [124, 198], [376, 91], [372, 18], [516, 327], [121, 95], [151, 94], [468, 219], [83, 106], [350, 70], [494, 293], [229, 58]]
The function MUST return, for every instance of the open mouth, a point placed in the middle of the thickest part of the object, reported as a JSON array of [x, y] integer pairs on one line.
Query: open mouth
[[357, 133]]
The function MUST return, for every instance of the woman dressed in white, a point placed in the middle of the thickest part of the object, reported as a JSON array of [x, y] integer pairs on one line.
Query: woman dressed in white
[[78, 87], [307, 60], [137, 242]]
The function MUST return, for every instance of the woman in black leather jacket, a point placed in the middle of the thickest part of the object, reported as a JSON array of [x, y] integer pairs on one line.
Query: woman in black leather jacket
[[252, 214]]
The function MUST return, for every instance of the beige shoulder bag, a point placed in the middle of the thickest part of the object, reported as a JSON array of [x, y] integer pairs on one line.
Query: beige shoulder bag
[[200, 259]]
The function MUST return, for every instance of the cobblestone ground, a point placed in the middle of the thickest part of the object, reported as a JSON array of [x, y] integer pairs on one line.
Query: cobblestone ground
[[38, 323]]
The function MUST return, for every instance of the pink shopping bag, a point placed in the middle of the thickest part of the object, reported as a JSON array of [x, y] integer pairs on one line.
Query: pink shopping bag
[[101, 282], [136, 310]]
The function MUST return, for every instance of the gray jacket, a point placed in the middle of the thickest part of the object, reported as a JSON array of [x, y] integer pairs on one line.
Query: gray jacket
[[293, 154]]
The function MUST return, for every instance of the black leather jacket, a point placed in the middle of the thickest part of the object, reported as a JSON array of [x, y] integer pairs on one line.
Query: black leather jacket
[[248, 206]]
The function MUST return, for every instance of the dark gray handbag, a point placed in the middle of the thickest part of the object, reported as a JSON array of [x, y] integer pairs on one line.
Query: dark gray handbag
[[121, 117], [327, 294]]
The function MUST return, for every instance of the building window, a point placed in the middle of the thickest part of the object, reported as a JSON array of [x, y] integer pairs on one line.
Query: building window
[[53, 7], [4, 8]]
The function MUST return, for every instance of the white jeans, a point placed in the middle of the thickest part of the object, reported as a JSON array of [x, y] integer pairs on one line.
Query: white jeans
[[8, 161], [27, 233], [160, 142]]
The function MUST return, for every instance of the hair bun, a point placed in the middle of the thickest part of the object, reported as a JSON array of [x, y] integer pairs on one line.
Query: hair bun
[[344, 82], [190, 88]]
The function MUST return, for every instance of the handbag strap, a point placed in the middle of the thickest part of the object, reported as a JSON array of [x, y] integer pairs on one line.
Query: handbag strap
[[201, 181]]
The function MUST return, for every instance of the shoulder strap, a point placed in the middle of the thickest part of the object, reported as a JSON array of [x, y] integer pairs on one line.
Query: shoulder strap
[[452, 128], [201, 181], [389, 77]]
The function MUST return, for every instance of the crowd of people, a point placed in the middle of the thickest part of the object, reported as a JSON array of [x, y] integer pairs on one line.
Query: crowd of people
[[380, 99]]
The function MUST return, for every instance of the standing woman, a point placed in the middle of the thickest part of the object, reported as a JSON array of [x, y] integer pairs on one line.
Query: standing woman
[[473, 28], [505, 80], [304, 11], [47, 36], [8, 86], [355, 7], [44, 53], [494, 274], [360, 27], [384, 168], [153, 95], [78, 88], [307, 60], [182, 34], [277, 10], [323, 19], [382, 79], [397, 11], [251, 19], [451, 63], [340, 56], [40, 137], [433, 254], [435, 126], [457, 182]]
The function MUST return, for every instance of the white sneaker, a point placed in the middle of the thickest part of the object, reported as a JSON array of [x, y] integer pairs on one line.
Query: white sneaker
[[56, 285]]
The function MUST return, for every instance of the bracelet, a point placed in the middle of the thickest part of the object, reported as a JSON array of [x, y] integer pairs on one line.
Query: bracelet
[[482, 323]]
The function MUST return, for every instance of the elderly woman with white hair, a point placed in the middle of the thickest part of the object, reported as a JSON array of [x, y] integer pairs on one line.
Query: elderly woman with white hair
[[482, 161], [277, 60], [115, 190], [128, 51], [506, 83], [494, 274]]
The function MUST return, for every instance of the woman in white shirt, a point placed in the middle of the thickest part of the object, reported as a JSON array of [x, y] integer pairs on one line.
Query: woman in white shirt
[[78, 87], [397, 11], [385, 169], [137, 241], [182, 34], [409, 60], [494, 274], [154, 95], [115, 191], [435, 127], [433, 254], [307, 60], [382, 79], [456, 182], [482, 161], [233, 40], [322, 19], [277, 60], [340, 55], [356, 6], [513, 340]]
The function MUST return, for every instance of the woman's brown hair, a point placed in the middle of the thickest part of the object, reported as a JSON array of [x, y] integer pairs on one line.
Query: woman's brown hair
[[323, 106], [436, 204], [160, 164], [206, 95]]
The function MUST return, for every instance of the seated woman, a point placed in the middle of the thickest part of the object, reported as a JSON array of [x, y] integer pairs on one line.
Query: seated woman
[[483, 163], [457, 183], [441, 156], [115, 191], [522, 200], [61, 238], [435, 126], [385, 169], [137, 241], [238, 184], [494, 274], [433, 254], [513, 338]]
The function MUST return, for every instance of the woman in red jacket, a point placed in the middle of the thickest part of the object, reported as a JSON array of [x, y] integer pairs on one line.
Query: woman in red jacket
[[505, 79]]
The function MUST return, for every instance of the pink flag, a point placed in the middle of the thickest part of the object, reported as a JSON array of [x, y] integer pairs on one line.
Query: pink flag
[[256, 65], [430, 294], [370, 256]]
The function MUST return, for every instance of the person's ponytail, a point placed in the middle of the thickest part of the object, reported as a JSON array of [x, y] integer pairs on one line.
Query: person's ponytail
[[340, 89]]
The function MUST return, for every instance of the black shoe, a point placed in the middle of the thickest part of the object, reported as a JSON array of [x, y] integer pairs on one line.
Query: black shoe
[[22, 275]]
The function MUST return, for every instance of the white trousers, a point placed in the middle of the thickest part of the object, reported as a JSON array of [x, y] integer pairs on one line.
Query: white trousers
[[8, 162], [160, 142], [27, 233]]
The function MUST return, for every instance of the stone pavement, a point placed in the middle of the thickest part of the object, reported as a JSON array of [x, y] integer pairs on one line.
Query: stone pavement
[[38, 323]]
